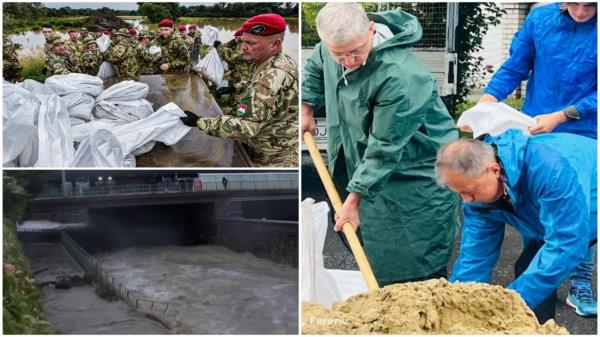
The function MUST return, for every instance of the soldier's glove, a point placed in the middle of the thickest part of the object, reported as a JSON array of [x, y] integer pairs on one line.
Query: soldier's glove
[[217, 43], [224, 90], [190, 119]]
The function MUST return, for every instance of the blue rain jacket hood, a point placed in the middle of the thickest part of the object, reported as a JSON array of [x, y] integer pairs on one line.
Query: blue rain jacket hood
[[553, 190], [558, 57]]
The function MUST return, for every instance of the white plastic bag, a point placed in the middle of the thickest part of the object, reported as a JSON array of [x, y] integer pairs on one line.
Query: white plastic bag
[[79, 105], [74, 82], [154, 50], [19, 128], [123, 111], [124, 91], [211, 67], [36, 87], [101, 149], [317, 284], [103, 42], [210, 36], [106, 70], [54, 133], [494, 119]]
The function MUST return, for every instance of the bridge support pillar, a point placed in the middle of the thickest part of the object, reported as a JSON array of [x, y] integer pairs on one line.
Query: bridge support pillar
[[227, 209]]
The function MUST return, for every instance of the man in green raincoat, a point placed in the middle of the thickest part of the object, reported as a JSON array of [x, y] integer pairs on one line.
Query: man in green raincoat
[[385, 124]]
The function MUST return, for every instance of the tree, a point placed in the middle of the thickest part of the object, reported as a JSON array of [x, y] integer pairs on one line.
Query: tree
[[154, 12]]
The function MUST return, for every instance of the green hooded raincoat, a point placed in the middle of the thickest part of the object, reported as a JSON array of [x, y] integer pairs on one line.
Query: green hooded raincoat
[[385, 124]]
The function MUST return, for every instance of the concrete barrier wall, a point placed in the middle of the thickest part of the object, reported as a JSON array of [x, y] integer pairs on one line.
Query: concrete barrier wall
[[269, 239]]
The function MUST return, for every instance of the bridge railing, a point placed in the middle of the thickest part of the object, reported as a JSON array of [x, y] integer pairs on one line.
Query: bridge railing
[[167, 187], [93, 268]]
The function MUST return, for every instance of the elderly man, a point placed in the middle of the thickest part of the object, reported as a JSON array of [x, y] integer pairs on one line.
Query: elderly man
[[266, 118], [541, 187], [385, 122], [174, 53]]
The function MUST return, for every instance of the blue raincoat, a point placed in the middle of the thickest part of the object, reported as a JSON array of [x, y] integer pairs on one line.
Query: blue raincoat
[[558, 57], [553, 190]]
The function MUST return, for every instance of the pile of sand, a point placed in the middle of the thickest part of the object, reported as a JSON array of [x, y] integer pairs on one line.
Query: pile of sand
[[429, 307]]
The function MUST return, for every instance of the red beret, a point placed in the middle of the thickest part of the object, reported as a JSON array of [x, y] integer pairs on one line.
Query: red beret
[[166, 23], [238, 32], [132, 31], [264, 24], [192, 26], [72, 30], [182, 28]]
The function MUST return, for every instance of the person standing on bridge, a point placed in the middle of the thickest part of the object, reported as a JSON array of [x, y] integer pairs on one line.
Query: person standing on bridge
[[266, 119], [385, 122]]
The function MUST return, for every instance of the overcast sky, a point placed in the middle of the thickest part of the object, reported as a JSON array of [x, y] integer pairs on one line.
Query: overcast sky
[[109, 4]]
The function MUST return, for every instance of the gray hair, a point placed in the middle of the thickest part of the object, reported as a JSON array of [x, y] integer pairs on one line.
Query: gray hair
[[468, 157], [339, 22]]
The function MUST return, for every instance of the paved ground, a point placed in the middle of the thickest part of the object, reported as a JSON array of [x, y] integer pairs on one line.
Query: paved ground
[[338, 257]]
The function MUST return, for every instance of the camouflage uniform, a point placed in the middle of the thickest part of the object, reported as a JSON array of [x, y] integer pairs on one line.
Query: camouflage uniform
[[60, 64], [189, 42], [266, 119], [122, 56], [148, 62], [48, 45], [75, 48], [231, 53], [90, 62], [11, 69], [174, 53]]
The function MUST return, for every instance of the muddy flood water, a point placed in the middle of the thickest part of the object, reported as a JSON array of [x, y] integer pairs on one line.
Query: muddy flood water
[[209, 289]]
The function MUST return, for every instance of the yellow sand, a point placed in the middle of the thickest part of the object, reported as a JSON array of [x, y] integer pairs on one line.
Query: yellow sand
[[429, 307]]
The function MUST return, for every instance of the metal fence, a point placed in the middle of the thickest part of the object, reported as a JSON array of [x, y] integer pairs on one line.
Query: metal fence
[[93, 268], [170, 187]]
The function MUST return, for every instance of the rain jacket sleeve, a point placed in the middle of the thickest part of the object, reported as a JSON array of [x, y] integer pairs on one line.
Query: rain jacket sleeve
[[313, 85], [398, 111], [480, 247], [588, 106], [517, 67], [564, 213]]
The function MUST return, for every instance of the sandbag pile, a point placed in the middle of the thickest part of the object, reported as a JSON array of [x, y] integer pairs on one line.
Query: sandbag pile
[[72, 121]]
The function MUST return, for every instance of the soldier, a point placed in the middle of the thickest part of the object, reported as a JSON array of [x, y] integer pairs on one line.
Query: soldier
[[266, 118], [47, 30], [83, 33], [231, 53], [91, 59], [174, 54], [196, 35], [59, 61], [122, 55], [148, 62], [133, 36], [11, 69], [189, 42], [74, 46]]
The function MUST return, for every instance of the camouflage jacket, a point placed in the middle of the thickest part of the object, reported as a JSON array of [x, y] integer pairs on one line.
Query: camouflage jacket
[[90, 62], [267, 116], [240, 68], [122, 56], [11, 69], [174, 53], [148, 62], [189, 43], [75, 48], [61, 64]]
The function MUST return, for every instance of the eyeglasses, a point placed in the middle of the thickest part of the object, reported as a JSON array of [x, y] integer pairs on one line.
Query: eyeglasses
[[363, 50]]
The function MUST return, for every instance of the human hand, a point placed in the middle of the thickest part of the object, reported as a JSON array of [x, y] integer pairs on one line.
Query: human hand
[[190, 119], [164, 67], [348, 213], [487, 98], [308, 123], [547, 122]]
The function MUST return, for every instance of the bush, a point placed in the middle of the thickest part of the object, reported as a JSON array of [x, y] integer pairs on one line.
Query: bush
[[33, 67]]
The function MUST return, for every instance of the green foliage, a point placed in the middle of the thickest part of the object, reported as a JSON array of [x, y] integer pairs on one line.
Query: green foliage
[[242, 9], [22, 310], [154, 12], [33, 67], [474, 22]]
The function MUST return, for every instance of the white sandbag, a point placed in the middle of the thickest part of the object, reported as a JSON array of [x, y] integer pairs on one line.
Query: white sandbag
[[36, 87], [77, 121], [494, 119], [103, 42], [143, 149], [317, 284], [82, 131], [349, 282], [124, 91], [106, 70], [74, 82], [123, 111], [210, 36], [79, 105], [211, 67], [19, 105], [101, 149], [154, 50], [54, 133], [18, 143]]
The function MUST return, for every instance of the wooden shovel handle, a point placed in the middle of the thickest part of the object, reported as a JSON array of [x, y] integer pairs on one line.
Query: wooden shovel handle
[[334, 197]]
